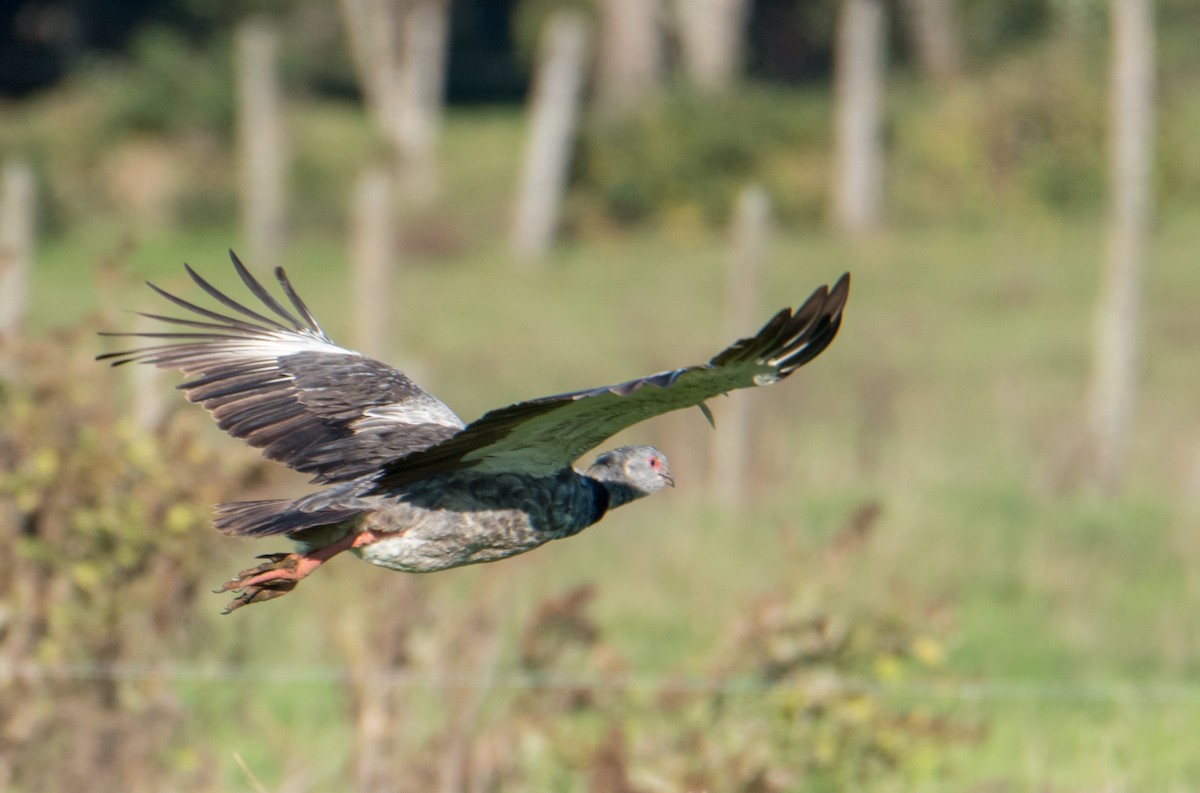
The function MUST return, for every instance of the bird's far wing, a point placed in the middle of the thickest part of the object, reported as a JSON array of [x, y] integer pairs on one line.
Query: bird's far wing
[[280, 384], [544, 435]]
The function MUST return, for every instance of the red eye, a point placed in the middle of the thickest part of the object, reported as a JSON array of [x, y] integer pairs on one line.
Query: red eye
[[653, 461]]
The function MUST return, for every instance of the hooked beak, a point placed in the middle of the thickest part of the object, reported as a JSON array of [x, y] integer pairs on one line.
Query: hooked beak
[[670, 480]]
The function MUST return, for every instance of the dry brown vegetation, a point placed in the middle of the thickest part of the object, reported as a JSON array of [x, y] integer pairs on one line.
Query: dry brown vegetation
[[103, 560], [101, 546]]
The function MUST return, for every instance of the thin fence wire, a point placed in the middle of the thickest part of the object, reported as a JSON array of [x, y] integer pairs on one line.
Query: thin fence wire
[[966, 692]]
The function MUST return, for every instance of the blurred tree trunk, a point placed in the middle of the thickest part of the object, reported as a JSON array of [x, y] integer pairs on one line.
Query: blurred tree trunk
[[373, 252], [711, 38], [936, 39], [729, 446], [422, 92], [859, 63], [148, 389], [18, 205], [552, 119], [1131, 122], [261, 142], [399, 52], [629, 57]]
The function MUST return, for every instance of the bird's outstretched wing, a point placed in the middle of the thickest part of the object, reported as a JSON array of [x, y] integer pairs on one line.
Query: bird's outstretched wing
[[544, 435], [280, 384]]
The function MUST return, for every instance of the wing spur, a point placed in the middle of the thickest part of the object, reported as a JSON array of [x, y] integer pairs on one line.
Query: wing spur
[[280, 383], [543, 435]]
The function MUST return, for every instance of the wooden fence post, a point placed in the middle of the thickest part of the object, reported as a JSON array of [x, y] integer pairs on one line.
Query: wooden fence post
[[399, 52], [18, 219], [729, 444], [629, 54], [553, 117], [712, 34], [422, 82], [261, 142], [373, 251], [858, 117], [148, 404], [1115, 345], [933, 31]]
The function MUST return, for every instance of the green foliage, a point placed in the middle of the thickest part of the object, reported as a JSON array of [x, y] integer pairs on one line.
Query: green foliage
[[1177, 172], [963, 422], [103, 535], [103, 552], [952, 396], [143, 142], [690, 155], [168, 85], [330, 144], [995, 28], [796, 697], [1028, 135]]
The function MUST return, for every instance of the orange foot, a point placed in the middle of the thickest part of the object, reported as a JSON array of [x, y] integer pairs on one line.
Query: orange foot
[[283, 571]]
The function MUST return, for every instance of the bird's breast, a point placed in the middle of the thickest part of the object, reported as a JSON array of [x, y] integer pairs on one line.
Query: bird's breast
[[451, 524]]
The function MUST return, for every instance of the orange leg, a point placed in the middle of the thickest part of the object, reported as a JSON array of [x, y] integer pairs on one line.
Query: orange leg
[[283, 571]]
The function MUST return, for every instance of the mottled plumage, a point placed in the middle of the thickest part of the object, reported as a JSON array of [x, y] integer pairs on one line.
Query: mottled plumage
[[409, 487]]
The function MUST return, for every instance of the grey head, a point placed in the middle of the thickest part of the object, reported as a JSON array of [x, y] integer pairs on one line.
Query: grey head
[[630, 472]]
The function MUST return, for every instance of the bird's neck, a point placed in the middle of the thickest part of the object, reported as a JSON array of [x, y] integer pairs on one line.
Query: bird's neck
[[619, 493]]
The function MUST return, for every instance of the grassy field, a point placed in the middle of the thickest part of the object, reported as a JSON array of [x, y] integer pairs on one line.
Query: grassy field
[[1066, 623]]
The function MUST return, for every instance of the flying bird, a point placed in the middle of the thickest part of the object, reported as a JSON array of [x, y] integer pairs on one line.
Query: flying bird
[[406, 485]]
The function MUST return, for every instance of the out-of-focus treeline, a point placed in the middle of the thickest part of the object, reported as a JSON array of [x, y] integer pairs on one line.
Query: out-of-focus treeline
[[914, 513], [1018, 124], [493, 43]]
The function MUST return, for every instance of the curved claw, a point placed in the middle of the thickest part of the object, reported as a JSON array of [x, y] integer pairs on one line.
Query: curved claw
[[284, 563], [275, 577], [281, 572], [259, 594]]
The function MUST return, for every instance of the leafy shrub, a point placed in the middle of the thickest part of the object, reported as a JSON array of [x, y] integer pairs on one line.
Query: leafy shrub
[[798, 696], [1030, 134], [103, 539], [797, 699], [692, 153], [166, 86]]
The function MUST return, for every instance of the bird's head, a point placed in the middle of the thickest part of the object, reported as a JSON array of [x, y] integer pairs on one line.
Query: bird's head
[[641, 470]]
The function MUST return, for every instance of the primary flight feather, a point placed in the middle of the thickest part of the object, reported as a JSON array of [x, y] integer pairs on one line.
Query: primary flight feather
[[408, 485]]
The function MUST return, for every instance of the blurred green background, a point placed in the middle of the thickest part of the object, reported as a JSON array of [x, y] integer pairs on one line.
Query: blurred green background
[[921, 588]]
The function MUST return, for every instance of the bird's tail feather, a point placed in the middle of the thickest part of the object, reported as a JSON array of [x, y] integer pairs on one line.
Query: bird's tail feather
[[270, 518]]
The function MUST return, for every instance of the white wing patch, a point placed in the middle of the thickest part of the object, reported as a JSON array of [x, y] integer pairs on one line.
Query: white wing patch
[[419, 410]]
